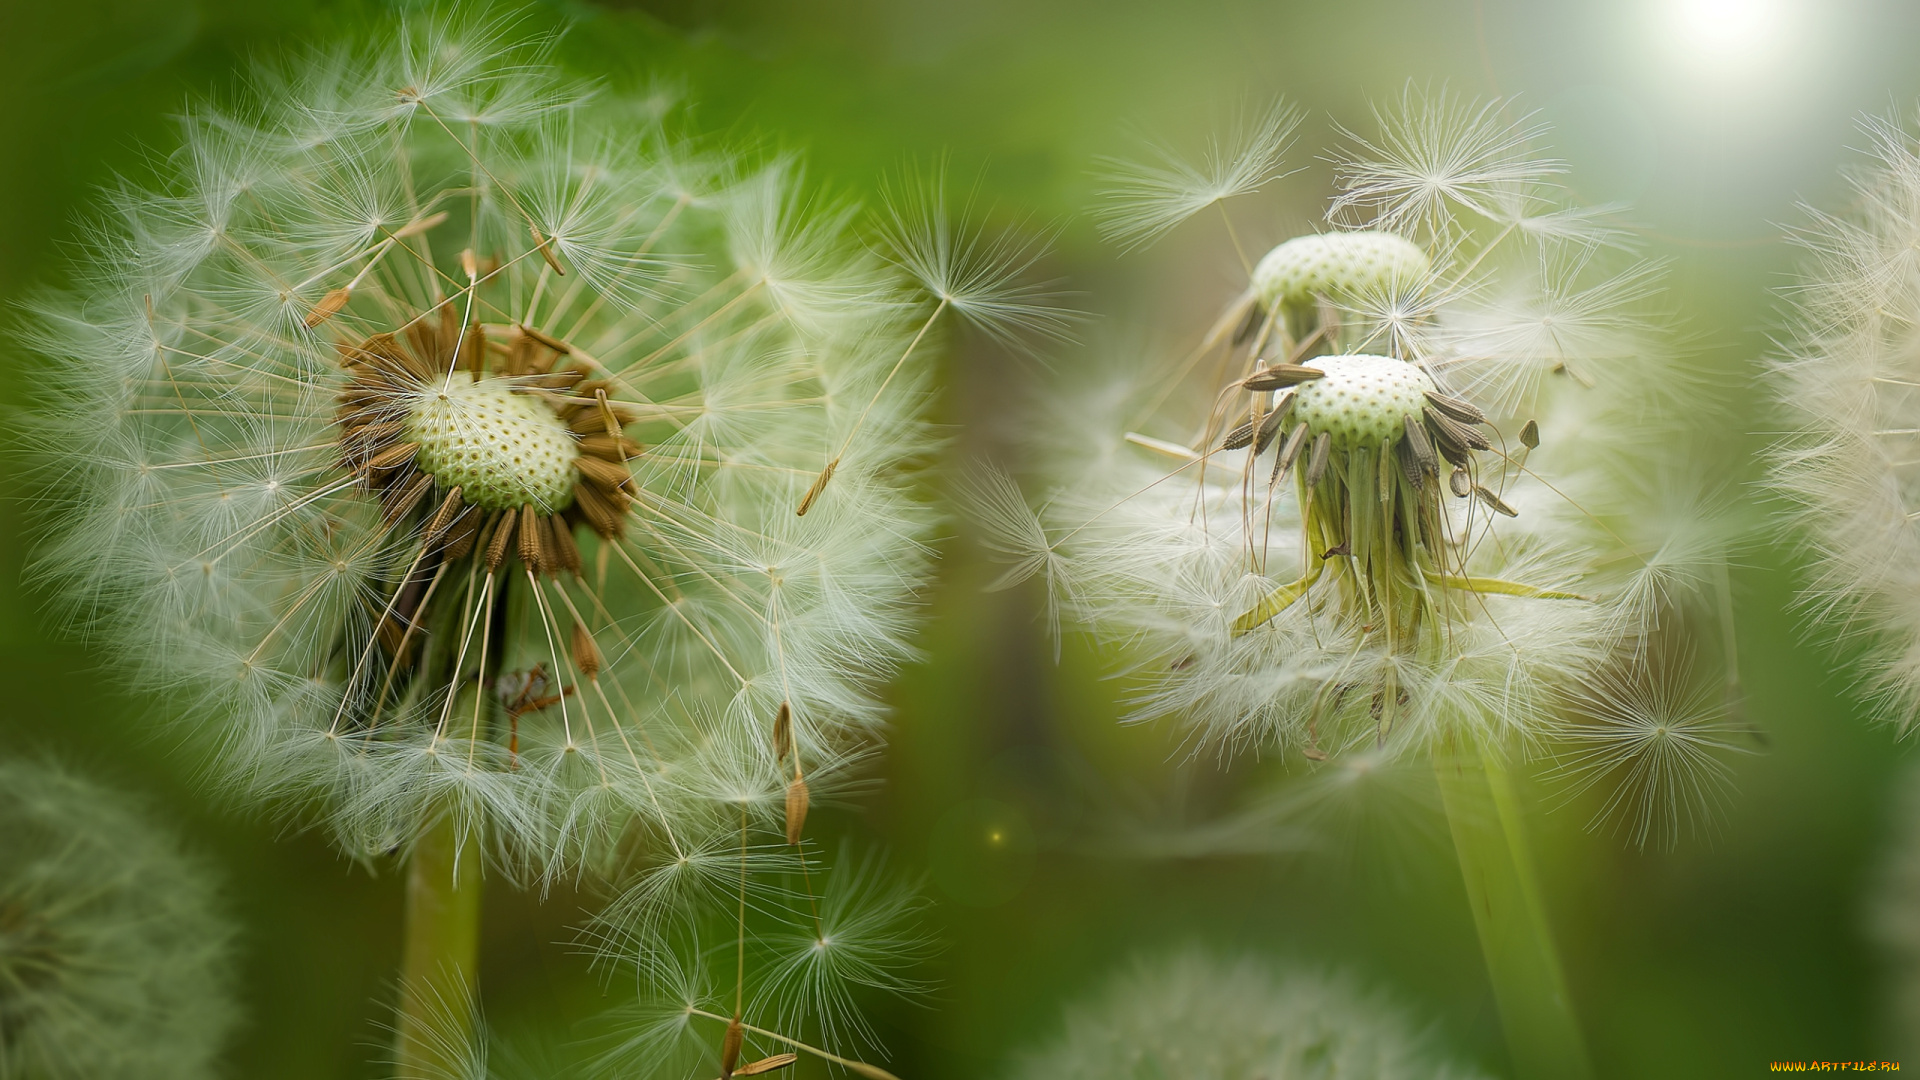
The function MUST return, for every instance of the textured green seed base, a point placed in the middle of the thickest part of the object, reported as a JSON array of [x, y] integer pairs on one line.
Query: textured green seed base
[[1363, 401], [501, 449], [1340, 264]]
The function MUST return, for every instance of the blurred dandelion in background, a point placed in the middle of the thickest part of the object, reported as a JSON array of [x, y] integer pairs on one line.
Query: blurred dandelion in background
[[1893, 918], [1198, 1017], [448, 436], [116, 960], [1409, 496], [1849, 375]]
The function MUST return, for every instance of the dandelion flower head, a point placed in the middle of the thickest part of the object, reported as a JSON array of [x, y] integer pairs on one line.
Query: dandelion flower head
[[436, 426], [1340, 523]]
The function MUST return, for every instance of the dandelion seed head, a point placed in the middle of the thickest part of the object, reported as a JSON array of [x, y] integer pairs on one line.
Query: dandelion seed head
[[115, 960], [1198, 1017], [434, 433], [1363, 400], [501, 449], [1380, 508], [1339, 264], [1847, 372]]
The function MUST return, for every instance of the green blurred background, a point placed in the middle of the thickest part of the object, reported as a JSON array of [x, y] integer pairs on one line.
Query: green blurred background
[[1712, 118]]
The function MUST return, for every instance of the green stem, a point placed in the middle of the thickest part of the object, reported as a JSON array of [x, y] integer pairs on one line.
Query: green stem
[[1489, 837], [440, 958]]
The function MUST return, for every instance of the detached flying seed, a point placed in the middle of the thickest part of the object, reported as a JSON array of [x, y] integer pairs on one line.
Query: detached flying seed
[[412, 228], [329, 306], [783, 732], [819, 485], [1530, 435], [730, 1048], [796, 809], [543, 246], [766, 1065]]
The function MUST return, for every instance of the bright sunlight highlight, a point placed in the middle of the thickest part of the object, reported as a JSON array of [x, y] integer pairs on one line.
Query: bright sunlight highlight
[[1721, 35]]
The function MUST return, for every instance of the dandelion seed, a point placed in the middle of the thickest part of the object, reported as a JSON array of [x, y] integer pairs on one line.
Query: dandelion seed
[[1660, 743], [1146, 199]]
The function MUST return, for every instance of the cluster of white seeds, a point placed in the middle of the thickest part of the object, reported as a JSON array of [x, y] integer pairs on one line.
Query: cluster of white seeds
[[503, 450], [1338, 264], [1363, 401]]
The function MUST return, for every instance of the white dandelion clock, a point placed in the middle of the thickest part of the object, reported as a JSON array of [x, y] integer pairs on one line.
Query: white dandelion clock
[[1196, 1017], [116, 962], [438, 433], [1848, 375]]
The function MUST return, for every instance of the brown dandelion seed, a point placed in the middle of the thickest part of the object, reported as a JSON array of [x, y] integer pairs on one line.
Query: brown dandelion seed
[[1460, 482], [328, 307], [796, 809], [603, 513], [819, 485], [497, 544], [730, 1048], [1279, 377], [1289, 452], [393, 457], [1238, 437], [586, 653], [413, 228], [603, 472], [783, 732], [533, 546], [1457, 432], [553, 343], [404, 499], [544, 246], [1493, 501], [766, 1065], [565, 551], [1455, 409], [462, 536], [1317, 464]]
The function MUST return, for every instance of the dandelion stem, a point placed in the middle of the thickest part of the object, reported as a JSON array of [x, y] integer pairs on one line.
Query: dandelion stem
[[1543, 1035], [440, 958]]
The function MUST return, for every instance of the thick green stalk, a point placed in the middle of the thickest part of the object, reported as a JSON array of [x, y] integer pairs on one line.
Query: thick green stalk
[[440, 958], [1489, 837]]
